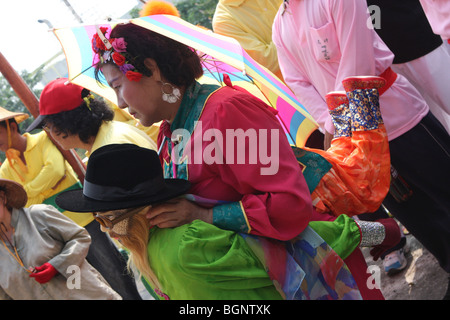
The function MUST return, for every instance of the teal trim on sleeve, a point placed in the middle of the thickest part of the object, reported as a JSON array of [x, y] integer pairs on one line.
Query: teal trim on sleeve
[[313, 165], [231, 216]]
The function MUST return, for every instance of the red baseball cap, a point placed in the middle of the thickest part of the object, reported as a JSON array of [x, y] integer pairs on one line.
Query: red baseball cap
[[58, 96]]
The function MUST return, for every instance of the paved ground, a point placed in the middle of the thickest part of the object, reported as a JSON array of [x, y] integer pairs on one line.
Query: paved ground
[[423, 278]]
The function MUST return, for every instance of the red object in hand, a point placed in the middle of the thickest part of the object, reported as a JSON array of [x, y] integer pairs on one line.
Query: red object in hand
[[392, 237], [44, 273]]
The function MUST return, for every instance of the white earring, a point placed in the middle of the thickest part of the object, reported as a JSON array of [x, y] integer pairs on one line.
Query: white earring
[[172, 97]]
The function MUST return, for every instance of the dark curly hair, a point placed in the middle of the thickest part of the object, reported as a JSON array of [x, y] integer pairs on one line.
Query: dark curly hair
[[82, 121], [179, 64]]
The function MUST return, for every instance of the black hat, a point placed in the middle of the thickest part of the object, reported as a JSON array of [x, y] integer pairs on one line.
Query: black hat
[[121, 176]]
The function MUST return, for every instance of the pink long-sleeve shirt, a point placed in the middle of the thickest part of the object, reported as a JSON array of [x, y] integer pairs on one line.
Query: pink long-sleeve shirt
[[321, 42], [438, 14]]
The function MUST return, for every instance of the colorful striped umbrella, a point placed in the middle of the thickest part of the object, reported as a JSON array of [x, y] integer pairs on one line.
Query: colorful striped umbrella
[[219, 54], [76, 44]]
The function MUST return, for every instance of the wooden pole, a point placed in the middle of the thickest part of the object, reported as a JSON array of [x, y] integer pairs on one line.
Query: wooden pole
[[32, 103]]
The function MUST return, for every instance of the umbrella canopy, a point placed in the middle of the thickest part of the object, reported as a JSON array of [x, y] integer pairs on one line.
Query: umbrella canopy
[[76, 44], [219, 54]]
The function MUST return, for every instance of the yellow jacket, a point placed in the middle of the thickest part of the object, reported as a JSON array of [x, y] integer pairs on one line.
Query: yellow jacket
[[120, 132], [48, 173], [250, 23], [123, 116]]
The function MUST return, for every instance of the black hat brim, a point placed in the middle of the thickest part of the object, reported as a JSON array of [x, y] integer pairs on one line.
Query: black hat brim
[[36, 124], [76, 201]]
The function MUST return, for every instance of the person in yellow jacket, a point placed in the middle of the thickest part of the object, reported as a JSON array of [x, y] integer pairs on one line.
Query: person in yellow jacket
[[34, 161], [250, 23]]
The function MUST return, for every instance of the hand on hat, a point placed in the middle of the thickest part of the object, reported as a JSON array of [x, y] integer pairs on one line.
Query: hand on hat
[[44, 273], [177, 212]]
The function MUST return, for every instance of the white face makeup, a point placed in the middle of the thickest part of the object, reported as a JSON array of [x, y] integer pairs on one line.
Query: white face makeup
[[144, 98]]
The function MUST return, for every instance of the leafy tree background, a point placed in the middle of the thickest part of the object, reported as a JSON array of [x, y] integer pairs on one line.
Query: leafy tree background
[[197, 12], [9, 99]]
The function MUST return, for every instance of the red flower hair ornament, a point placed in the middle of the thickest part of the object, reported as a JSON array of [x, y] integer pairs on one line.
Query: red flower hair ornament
[[114, 49]]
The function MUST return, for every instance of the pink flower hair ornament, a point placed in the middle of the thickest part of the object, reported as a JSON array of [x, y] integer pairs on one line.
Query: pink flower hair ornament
[[114, 49]]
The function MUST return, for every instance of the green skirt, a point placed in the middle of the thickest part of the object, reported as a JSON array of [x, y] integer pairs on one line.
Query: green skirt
[[199, 261]]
